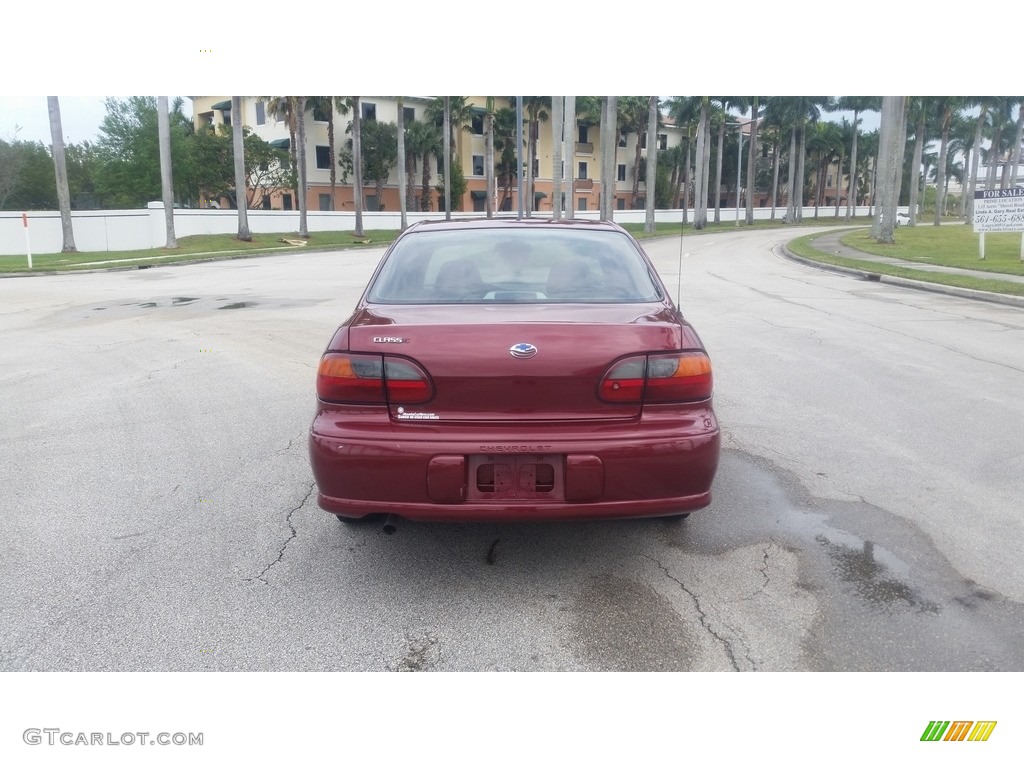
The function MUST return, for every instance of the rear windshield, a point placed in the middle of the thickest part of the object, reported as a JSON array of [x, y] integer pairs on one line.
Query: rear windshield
[[514, 265]]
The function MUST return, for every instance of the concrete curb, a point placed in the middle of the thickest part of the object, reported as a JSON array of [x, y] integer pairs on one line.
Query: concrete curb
[[232, 257], [902, 282]]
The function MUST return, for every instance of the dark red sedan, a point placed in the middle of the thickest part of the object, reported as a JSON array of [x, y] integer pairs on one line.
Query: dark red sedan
[[499, 370]]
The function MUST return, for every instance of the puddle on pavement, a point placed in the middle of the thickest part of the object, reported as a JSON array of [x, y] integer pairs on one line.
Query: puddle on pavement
[[239, 305], [871, 579], [183, 299], [148, 304]]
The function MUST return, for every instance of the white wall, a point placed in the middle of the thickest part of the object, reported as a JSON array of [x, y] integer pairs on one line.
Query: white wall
[[143, 229]]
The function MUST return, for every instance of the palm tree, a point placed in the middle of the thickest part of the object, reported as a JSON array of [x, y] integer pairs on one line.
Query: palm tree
[[299, 110], [945, 108], [424, 142], [858, 104], [609, 143], [489, 156], [447, 159], [1015, 159], [163, 129], [890, 166], [752, 157], [652, 163], [918, 109], [557, 107], [534, 107], [357, 162], [505, 145], [61, 173], [238, 154], [401, 164], [724, 102]]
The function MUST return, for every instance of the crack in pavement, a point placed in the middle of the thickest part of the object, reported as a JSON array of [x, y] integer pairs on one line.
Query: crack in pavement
[[704, 622], [288, 519]]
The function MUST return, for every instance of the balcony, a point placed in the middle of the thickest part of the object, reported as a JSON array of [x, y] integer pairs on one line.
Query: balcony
[[584, 185], [584, 148]]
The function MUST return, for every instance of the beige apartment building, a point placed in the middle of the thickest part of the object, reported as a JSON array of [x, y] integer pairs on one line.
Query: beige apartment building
[[469, 147]]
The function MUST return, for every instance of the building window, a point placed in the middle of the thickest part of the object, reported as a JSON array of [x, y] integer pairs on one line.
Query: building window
[[478, 205], [368, 111], [261, 113], [284, 162], [323, 157], [643, 140], [286, 201], [583, 133], [440, 165], [620, 203], [622, 140], [581, 204], [478, 125], [325, 202], [478, 165], [828, 183], [372, 204], [662, 141], [582, 171], [622, 172], [266, 202], [409, 114], [536, 167]]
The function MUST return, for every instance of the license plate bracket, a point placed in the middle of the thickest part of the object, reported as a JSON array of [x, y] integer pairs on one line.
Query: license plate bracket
[[516, 477]]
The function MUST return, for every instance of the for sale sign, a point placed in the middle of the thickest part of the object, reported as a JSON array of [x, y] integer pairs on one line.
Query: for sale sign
[[999, 210]]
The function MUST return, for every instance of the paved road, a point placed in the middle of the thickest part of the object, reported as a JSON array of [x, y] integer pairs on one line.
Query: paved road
[[160, 514]]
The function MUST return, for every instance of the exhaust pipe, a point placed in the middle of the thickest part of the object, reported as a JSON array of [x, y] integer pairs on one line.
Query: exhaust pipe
[[389, 524]]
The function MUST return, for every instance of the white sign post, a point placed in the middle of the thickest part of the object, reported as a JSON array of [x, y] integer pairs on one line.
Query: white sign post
[[999, 210], [28, 243]]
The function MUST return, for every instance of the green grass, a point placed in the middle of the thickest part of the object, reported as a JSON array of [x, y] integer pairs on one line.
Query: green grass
[[926, 251], [195, 248], [664, 229], [948, 246]]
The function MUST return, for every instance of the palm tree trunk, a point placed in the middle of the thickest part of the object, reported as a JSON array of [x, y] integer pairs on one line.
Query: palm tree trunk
[[851, 192], [775, 178], [802, 172], [1016, 144], [686, 180], [791, 193], [556, 157], [163, 129], [569, 136], [940, 177], [652, 163], [718, 173], [357, 164], [332, 160], [402, 201], [238, 155], [915, 176], [61, 175], [300, 156], [751, 162], [447, 158], [700, 193], [489, 159]]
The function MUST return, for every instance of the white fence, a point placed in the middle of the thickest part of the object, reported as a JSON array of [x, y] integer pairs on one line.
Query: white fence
[[142, 229]]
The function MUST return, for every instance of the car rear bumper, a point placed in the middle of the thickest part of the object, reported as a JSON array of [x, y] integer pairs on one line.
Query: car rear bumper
[[661, 464]]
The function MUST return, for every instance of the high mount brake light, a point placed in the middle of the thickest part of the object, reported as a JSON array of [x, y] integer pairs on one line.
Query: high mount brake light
[[371, 379], [672, 378]]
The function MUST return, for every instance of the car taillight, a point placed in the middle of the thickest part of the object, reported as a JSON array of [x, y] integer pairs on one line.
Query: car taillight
[[371, 380], [678, 377]]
